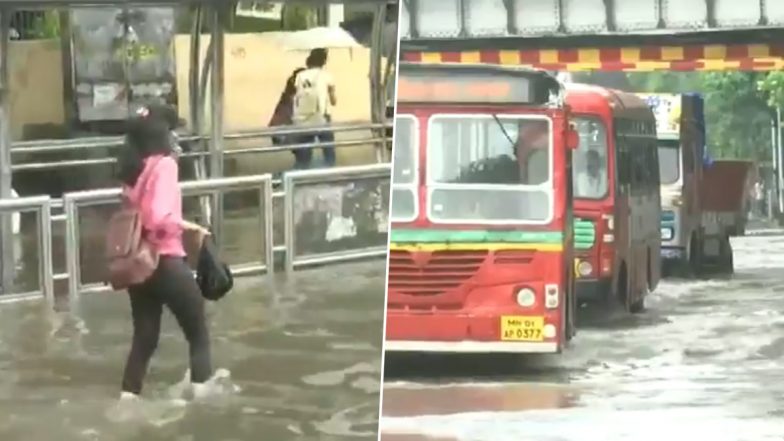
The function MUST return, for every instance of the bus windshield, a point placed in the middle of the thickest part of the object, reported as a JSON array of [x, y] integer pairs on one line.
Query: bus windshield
[[669, 161], [589, 162], [489, 168], [404, 169]]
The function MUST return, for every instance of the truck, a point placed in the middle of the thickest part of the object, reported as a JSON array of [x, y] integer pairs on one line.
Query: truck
[[704, 202], [725, 197], [680, 134]]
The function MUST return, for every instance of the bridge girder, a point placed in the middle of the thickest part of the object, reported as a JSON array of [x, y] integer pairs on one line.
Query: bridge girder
[[736, 57], [588, 23], [605, 35]]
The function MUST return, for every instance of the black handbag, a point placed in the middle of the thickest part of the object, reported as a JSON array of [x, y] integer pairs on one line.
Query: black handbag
[[212, 275]]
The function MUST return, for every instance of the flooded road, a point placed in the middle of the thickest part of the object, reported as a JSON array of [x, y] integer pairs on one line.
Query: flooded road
[[303, 356], [706, 361], [305, 353]]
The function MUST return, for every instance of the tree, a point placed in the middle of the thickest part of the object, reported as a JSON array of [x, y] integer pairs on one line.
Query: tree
[[737, 115], [737, 104], [772, 87]]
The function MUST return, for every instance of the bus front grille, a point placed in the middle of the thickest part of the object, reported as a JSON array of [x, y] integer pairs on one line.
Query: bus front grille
[[425, 273]]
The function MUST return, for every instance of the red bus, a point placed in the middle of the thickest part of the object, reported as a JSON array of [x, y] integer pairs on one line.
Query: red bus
[[481, 254], [616, 196]]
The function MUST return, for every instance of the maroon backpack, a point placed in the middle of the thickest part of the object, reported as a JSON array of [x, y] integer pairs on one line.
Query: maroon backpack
[[130, 257]]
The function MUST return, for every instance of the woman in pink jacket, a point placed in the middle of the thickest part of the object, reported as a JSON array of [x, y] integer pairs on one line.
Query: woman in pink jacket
[[149, 172]]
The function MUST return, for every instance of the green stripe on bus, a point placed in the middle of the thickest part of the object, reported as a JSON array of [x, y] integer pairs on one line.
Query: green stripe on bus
[[474, 236]]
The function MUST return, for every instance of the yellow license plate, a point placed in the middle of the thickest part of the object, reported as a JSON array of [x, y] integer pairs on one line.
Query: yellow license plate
[[576, 270], [521, 328]]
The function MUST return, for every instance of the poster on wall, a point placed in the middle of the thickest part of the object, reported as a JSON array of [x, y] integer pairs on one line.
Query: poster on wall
[[122, 57], [340, 216]]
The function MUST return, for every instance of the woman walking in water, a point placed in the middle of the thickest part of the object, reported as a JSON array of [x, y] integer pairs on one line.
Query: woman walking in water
[[148, 170]]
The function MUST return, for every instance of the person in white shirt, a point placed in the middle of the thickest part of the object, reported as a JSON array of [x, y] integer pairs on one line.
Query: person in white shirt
[[592, 179], [759, 198], [315, 95]]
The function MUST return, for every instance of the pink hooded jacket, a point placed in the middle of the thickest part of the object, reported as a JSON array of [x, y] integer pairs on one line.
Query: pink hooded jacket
[[158, 198]]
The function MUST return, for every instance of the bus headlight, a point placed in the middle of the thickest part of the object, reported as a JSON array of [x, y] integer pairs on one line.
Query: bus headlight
[[526, 297], [549, 331], [585, 268]]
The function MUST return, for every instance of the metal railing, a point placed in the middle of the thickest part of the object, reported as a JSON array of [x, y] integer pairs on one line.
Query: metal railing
[[41, 205], [210, 187], [102, 142], [294, 184]]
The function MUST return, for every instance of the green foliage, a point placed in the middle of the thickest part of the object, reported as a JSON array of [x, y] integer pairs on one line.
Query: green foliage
[[299, 18], [772, 86], [737, 104], [737, 114], [46, 26], [665, 82], [294, 18]]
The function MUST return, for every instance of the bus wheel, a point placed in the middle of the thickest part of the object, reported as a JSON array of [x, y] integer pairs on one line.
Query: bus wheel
[[638, 305], [695, 256], [571, 305], [622, 289], [727, 260]]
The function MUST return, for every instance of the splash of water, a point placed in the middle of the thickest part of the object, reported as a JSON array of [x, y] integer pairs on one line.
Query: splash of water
[[219, 385]]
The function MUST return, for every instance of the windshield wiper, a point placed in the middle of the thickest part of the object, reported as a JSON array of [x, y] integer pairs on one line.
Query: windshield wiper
[[503, 130]]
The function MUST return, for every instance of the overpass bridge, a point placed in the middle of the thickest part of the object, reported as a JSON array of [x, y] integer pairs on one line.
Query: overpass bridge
[[603, 35]]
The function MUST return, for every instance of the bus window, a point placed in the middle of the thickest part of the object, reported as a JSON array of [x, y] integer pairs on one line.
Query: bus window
[[589, 162], [404, 169], [654, 155], [622, 157], [404, 166], [639, 166], [669, 161], [533, 140], [491, 169]]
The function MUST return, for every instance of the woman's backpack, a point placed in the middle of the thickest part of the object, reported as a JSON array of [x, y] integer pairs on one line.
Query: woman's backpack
[[131, 258], [212, 275]]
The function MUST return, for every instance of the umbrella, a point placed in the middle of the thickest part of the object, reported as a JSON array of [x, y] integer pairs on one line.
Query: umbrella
[[322, 37], [361, 29]]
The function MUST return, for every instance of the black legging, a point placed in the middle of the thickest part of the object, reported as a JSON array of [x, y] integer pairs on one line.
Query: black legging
[[172, 284]]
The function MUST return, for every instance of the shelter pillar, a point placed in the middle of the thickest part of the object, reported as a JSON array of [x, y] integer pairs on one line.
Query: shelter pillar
[[217, 79], [377, 91], [6, 226]]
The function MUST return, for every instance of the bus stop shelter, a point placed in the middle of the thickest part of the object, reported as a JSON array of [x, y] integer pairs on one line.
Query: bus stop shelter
[[205, 78]]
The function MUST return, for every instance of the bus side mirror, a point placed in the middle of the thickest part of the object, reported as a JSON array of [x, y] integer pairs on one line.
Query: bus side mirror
[[572, 139]]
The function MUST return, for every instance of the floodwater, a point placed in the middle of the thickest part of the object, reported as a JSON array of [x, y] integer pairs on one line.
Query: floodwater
[[300, 356], [705, 361]]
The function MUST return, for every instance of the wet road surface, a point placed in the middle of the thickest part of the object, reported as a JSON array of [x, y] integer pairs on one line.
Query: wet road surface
[[705, 361], [304, 353]]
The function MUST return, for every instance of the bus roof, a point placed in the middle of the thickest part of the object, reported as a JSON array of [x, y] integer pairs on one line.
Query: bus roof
[[586, 98], [459, 83]]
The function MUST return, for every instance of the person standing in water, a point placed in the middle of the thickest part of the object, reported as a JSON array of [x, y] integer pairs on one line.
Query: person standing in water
[[148, 170]]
